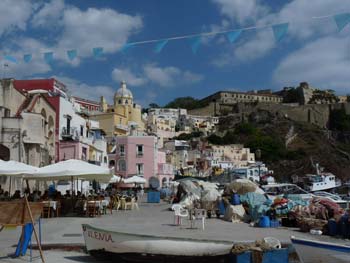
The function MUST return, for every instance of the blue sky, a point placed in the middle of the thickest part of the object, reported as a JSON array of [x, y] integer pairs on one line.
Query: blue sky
[[313, 50]]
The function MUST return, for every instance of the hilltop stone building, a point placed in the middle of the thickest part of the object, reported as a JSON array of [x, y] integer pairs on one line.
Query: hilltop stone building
[[220, 101]]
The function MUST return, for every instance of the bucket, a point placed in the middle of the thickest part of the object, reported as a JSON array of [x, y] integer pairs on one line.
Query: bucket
[[264, 221], [332, 227], [235, 200]]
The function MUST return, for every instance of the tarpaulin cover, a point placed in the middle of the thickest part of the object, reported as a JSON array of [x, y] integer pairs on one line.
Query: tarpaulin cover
[[235, 213], [258, 204], [242, 186]]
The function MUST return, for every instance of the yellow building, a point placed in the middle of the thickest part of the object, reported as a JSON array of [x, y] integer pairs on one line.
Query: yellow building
[[121, 118]]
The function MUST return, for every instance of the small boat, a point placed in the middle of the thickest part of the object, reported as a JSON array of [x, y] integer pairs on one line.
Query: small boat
[[311, 251], [99, 241], [280, 190]]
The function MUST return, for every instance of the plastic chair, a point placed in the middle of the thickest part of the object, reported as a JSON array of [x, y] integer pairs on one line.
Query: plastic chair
[[200, 214], [180, 212], [127, 203]]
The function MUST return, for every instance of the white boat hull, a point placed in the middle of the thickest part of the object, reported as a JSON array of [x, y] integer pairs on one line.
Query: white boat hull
[[311, 251], [97, 239]]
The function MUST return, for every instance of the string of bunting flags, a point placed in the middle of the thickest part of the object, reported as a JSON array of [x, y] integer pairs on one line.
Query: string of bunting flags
[[279, 32]]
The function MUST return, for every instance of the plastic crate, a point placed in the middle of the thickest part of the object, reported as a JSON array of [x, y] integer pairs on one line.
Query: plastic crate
[[274, 223]]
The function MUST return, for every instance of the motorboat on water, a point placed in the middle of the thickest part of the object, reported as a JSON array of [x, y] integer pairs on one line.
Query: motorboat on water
[[99, 241], [310, 251], [280, 190], [323, 181], [317, 182]]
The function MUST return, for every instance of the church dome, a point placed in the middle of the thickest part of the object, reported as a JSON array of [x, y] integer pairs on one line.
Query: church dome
[[123, 92]]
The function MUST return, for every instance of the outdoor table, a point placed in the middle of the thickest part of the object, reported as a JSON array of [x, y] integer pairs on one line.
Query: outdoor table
[[51, 204], [96, 204]]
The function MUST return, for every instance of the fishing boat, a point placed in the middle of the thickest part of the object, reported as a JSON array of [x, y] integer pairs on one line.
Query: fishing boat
[[311, 251], [99, 241]]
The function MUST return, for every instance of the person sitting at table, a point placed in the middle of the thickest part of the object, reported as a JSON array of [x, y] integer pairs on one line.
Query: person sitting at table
[[36, 196], [78, 194], [5, 196], [45, 196], [67, 195], [16, 195]]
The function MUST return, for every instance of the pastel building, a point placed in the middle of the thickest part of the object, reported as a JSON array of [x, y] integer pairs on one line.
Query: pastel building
[[230, 156], [121, 118], [76, 137], [139, 155]]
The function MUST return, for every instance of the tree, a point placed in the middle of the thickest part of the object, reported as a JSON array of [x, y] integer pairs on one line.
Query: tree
[[188, 103], [153, 105]]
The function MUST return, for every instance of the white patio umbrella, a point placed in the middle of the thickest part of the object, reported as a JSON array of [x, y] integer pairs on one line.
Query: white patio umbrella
[[71, 168], [134, 180], [15, 169]]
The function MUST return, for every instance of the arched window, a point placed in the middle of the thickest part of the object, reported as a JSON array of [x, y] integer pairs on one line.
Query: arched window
[[126, 101], [122, 165], [120, 101], [105, 159], [111, 163], [44, 121]]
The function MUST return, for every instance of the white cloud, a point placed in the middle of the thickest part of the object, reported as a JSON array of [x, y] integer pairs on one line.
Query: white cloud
[[14, 16], [126, 75], [86, 91], [154, 74], [49, 14], [170, 76], [241, 11], [97, 27], [302, 27], [36, 66], [323, 63]]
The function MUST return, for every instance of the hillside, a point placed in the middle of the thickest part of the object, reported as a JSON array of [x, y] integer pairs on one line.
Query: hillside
[[305, 142]]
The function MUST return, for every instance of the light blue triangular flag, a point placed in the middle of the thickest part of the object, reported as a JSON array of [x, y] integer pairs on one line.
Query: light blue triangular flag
[[158, 48], [196, 41], [97, 51], [232, 36], [48, 56], [342, 20], [126, 47], [72, 54], [10, 58], [280, 30], [27, 58]]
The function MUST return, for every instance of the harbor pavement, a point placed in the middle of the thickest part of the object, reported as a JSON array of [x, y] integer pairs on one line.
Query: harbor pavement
[[65, 233]]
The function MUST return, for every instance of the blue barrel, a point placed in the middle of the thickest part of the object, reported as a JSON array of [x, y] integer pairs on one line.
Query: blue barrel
[[264, 221], [235, 200], [221, 207], [344, 227], [332, 227]]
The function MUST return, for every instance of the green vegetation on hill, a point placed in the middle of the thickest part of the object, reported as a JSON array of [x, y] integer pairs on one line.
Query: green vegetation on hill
[[339, 121], [189, 136], [188, 103], [270, 144]]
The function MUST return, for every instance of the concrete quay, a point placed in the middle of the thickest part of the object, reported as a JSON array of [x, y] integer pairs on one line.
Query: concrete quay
[[150, 219]]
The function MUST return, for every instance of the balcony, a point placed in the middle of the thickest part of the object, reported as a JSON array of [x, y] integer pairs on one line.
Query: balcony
[[122, 127], [139, 154]]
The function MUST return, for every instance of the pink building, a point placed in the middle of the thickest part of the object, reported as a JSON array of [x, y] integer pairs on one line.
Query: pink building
[[138, 155]]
